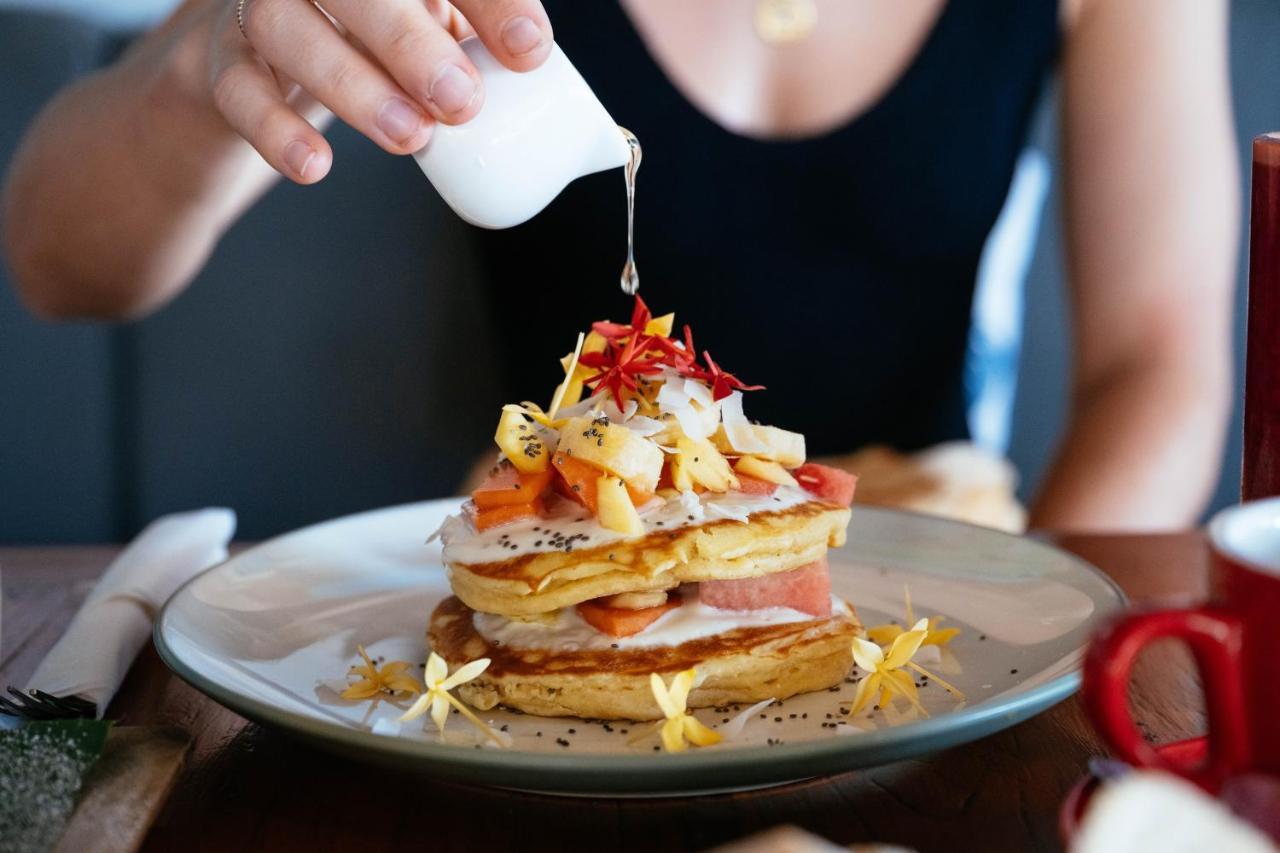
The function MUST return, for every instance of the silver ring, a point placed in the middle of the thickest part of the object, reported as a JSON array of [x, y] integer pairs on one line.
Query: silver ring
[[240, 4]]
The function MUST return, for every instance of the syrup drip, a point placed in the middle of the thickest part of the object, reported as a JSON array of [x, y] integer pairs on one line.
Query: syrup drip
[[630, 275]]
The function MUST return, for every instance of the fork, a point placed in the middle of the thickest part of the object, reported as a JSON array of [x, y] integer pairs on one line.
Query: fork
[[38, 705]]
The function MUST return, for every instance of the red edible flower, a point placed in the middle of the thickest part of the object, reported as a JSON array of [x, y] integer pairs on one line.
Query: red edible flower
[[630, 352], [722, 383], [619, 365]]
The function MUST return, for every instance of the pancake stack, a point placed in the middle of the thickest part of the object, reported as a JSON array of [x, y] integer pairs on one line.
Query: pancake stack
[[649, 528]]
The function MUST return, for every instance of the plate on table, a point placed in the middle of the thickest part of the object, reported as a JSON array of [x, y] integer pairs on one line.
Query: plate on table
[[270, 631]]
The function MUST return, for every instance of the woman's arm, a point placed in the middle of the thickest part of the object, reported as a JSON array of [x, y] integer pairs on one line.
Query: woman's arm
[[1152, 214], [126, 181]]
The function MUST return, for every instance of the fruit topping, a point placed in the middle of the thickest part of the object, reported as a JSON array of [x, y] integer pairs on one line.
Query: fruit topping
[[620, 621], [696, 462], [525, 443], [615, 510], [807, 589], [484, 519], [613, 448], [506, 486], [830, 484], [763, 469]]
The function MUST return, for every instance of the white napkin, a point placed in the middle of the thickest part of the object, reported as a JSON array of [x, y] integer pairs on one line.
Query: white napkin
[[114, 623], [1152, 812]]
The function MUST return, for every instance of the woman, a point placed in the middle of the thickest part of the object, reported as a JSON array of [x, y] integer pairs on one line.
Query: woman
[[817, 204]]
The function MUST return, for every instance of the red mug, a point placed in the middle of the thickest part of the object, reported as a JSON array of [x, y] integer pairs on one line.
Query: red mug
[[1235, 640]]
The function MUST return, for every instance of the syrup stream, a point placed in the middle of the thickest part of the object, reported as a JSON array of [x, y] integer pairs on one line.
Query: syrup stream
[[630, 275]]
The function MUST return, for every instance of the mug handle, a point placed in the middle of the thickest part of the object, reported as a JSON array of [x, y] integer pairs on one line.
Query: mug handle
[[1213, 637]]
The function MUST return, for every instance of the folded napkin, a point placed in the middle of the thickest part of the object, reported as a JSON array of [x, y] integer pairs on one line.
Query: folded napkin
[[114, 623], [1157, 812]]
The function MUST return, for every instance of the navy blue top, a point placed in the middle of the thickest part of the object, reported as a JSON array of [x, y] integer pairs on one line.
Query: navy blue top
[[837, 270]]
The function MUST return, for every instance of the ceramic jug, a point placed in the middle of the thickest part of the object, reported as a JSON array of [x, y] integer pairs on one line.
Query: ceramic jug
[[536, 132]]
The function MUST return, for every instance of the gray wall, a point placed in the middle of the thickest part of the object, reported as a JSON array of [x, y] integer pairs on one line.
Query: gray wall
[[276, 384]]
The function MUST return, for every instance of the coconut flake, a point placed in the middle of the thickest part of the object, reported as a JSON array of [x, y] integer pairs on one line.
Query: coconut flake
[[582, 407], [733, 728], [698, 393], [619, 416], [672, 400], [691, 504], [736, 513], [645, 427], [737, 428]]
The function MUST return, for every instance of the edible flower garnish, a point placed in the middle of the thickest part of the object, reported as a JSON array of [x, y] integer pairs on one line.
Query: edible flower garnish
[[722, 384], [621, 365], [375, 682], [679, 724], [643, 348], [934, 636], [438, 698], [885, 671]]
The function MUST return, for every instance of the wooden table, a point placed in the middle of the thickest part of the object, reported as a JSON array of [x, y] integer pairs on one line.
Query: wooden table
[[249, 788]]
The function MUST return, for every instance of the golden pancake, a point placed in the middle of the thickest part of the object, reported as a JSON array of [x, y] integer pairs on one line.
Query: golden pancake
[[743, 665], [774, 541]]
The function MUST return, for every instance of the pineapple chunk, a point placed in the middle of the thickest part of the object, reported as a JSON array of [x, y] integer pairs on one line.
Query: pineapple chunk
[[762, 469], [784, 447], [526, 443], [614, 507], [614, 448], [697, 463], [636, 600]]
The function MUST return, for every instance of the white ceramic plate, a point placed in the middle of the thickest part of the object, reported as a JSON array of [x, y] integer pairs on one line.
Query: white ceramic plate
[[262, 631]]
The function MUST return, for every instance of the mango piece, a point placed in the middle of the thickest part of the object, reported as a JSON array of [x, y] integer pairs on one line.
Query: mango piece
[[661, 325], [616, 511], [763, 469], [523, 441]]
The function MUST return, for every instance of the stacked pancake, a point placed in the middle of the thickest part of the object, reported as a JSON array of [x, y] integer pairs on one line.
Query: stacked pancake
[[649, 528]]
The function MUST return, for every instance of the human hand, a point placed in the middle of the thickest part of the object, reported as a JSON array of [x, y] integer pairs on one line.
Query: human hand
[[390, 69]]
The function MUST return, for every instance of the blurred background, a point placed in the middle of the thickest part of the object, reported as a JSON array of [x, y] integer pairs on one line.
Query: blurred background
[[234, 396]]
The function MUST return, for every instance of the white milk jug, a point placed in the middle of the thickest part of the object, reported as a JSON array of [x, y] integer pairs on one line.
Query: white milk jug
[[535, 132]]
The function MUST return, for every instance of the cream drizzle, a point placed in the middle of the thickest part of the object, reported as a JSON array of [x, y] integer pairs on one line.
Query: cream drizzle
[[572, 527]]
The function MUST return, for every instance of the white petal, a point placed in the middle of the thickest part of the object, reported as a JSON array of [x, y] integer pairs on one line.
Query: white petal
[[465, 674], [867, 655]]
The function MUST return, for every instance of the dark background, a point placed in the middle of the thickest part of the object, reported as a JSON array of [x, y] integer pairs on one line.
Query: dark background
[[288, 382]]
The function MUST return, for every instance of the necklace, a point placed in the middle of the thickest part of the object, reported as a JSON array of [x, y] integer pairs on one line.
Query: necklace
[[785, 21]]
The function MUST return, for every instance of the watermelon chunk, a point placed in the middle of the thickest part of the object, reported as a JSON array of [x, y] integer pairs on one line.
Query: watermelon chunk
[[807, 589], [830, 484], [752, 486]]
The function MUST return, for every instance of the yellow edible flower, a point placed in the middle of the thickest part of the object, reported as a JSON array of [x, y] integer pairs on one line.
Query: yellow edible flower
[[437, 697], [388, 679], [934, 636], [679, 724], [885, 671]]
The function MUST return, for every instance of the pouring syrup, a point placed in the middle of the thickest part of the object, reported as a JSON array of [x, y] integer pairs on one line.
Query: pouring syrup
[[630, 275]]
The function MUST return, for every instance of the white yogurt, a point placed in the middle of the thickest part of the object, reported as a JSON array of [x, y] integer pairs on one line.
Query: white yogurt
[[692, 620], [573, 527]]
